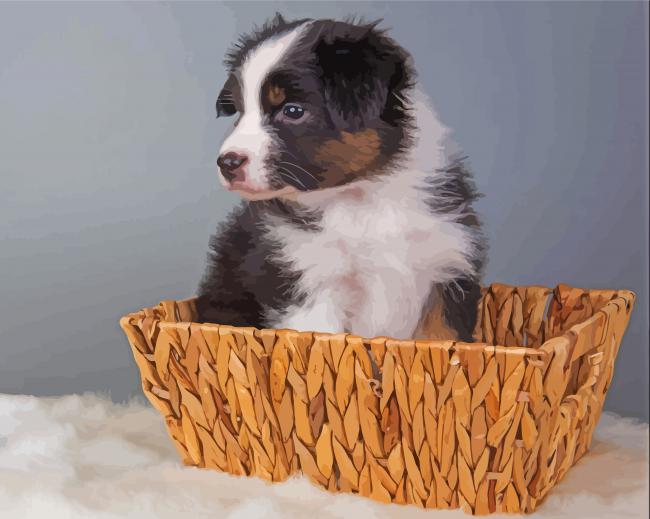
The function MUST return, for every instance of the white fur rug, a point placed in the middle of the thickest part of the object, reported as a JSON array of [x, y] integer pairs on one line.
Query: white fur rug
[[85, 457]]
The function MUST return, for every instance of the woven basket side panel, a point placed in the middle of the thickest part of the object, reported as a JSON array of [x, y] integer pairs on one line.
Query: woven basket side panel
[[226, 397], [571, 305], [577, 375], [142, 332], [211, 383], [579, 313], [436, 429], [512, 316]]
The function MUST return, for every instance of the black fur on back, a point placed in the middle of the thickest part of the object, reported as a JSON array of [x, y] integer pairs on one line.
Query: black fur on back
[[452, 193]]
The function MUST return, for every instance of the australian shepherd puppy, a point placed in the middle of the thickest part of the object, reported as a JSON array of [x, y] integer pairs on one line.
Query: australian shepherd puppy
[[356, 218]]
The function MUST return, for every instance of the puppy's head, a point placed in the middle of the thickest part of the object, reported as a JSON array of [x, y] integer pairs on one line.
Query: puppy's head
[[317, 104]]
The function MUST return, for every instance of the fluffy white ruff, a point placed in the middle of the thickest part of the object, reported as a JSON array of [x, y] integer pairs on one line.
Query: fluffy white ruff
[[371, 266], [85, 457]]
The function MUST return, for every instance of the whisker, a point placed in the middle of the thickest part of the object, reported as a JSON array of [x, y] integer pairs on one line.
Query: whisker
[[291, 176], [300, 168], [287, 174]]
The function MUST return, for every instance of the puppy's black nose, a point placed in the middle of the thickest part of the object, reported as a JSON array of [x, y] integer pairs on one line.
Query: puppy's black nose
[[231, 164]]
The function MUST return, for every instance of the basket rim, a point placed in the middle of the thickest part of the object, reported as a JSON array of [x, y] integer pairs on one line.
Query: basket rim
[[542, 351]]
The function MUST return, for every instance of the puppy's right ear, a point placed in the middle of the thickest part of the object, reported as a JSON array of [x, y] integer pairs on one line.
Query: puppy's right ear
[[226, 101]]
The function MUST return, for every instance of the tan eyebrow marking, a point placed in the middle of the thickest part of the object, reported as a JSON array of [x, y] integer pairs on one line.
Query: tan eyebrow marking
[[276, 95]]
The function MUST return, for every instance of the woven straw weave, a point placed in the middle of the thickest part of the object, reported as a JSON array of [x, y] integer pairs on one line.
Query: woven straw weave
[[488, 426]]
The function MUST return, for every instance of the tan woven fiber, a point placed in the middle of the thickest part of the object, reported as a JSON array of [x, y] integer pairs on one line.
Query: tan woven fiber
[[489, 426]]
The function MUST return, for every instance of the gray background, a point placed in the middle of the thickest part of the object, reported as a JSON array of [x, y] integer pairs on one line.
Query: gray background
[[108, 139]]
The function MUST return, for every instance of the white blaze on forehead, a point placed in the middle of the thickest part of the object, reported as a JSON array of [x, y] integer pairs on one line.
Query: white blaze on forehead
[[260, 62], [249, 136]]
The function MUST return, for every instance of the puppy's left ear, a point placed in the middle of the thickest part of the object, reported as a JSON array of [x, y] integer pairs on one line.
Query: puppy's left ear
[[226, 101], [363, 72]]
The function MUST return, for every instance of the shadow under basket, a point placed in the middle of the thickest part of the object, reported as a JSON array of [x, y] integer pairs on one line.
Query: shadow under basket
[[488, 426]]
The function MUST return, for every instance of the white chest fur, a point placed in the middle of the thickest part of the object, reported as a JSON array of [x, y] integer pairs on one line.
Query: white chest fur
[[370, 268]]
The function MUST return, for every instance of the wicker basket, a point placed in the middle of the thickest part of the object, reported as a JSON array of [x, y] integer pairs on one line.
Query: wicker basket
[[487, 426]]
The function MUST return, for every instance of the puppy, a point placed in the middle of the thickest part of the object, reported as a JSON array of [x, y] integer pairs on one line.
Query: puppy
[[356, 219]]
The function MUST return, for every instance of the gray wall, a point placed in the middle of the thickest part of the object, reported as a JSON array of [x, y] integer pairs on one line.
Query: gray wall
[[108, 138]]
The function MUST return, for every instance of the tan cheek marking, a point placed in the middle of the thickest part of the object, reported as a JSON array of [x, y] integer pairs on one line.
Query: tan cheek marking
[[275, 95], [432, 324], [351, 154]]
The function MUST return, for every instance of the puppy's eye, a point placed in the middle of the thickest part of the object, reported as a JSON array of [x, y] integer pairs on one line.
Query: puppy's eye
[[293, 111], [225, 107]]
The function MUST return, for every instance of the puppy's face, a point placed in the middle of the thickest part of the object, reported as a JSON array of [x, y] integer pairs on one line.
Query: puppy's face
[[317, 104]]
